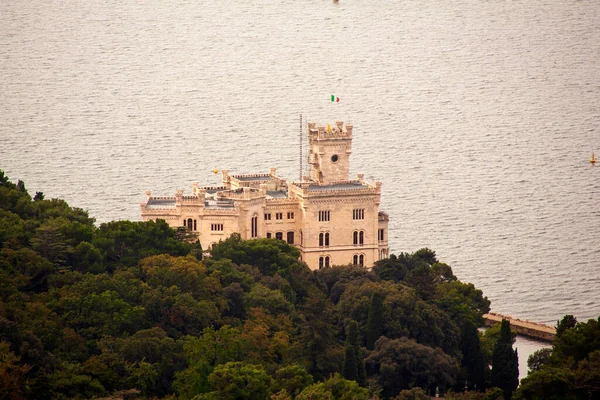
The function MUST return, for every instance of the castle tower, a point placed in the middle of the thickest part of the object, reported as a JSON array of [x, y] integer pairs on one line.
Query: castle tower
[[329, 152]]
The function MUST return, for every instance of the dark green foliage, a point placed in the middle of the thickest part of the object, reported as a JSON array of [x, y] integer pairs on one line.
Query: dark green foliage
[[353, 367], [235, 380], [374, 328], [293, 379], [126, 307], [399, 364], [505, 362], [38, 196], [538, 359], [415, 393], [336, 387], [472, 363], [568, 322]]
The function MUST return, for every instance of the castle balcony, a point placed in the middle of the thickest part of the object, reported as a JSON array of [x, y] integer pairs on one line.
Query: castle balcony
[[383, 216]]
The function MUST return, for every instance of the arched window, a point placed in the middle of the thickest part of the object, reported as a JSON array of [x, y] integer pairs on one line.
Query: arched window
[[254, 226], [361, 237], [321, 235], [279, 235], [320, 262], [189, 224], [355, 259], [361, 260], [184, 222], [327, 239], [327, 262], [195, 226], [355, 237], [301, 238], [290, 237], [269, 235]]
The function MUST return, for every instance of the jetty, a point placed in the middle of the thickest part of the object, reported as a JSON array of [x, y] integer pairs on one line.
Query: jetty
[[530, 329]]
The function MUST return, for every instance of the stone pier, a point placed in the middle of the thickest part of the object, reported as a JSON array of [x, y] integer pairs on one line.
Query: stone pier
[[530, 329]]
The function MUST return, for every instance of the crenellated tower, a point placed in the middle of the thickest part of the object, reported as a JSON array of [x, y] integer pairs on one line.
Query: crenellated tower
[[329, 152]]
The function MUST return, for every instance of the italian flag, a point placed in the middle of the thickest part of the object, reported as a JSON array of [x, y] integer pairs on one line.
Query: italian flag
[[335, 99]]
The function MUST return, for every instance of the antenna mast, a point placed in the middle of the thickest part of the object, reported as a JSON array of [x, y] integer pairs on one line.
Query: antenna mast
[[300, 147]]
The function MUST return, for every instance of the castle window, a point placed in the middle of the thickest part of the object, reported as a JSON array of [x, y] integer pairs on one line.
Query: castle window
[[290, 215], [254, 227], [327, 239], [361, 260], [321, 237], [358, 238], [301, 238], [216, 227], [195, 226], [279, 235], [358, 213], [321, 259], [184, 223], [335, 158], [278, 215], [290, 237], [189, 224], [381, 235], [267, 216], [324, 215], [355, 259], [269, 235], [327, 262]]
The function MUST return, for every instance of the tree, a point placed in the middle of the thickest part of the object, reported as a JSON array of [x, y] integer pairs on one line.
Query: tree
[[400, 364], [567, 322], [236, 380], [334, 388], [472, 362], [375, 320], [538, 359], [415, 393], [505, 362], [353, 367], [292, 379], [38, 196]]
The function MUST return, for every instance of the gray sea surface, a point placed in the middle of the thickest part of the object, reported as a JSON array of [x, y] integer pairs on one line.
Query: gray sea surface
[[478, 116]]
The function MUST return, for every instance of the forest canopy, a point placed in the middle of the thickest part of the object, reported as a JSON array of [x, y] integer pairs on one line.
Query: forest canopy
[[130, 309]]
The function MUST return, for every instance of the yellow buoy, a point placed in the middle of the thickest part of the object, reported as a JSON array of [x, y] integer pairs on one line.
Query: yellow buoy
[[216, 171]]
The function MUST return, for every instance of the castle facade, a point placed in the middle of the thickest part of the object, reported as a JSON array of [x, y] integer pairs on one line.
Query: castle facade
[[330, 218]]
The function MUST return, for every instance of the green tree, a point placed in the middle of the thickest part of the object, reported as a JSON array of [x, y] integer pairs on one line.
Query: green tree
[[567, 322], [415, 393], [375, 320], [505, 362], [353, 367], [236, 380], [205, 352], [538, 359], [334, 388], [400, 364], [292, 379], [472, 362], [547, 384]]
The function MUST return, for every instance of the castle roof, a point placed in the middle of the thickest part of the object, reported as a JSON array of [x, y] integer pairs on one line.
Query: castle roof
[[338, 186], [157, 203]]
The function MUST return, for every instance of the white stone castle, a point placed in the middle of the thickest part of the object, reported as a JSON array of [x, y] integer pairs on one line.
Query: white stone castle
[[330, 218]]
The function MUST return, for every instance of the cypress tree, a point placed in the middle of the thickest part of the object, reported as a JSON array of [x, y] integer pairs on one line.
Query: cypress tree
[[375, 320], [505, 363], [472, 362], [353, 367]]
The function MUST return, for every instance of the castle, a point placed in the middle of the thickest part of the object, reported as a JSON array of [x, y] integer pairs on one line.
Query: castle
[[330, 218]]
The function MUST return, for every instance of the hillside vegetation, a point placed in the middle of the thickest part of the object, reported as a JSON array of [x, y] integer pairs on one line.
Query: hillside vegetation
[[128, 309]]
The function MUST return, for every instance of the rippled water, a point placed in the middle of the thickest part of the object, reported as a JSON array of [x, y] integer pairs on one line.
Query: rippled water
[[478, 116]]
